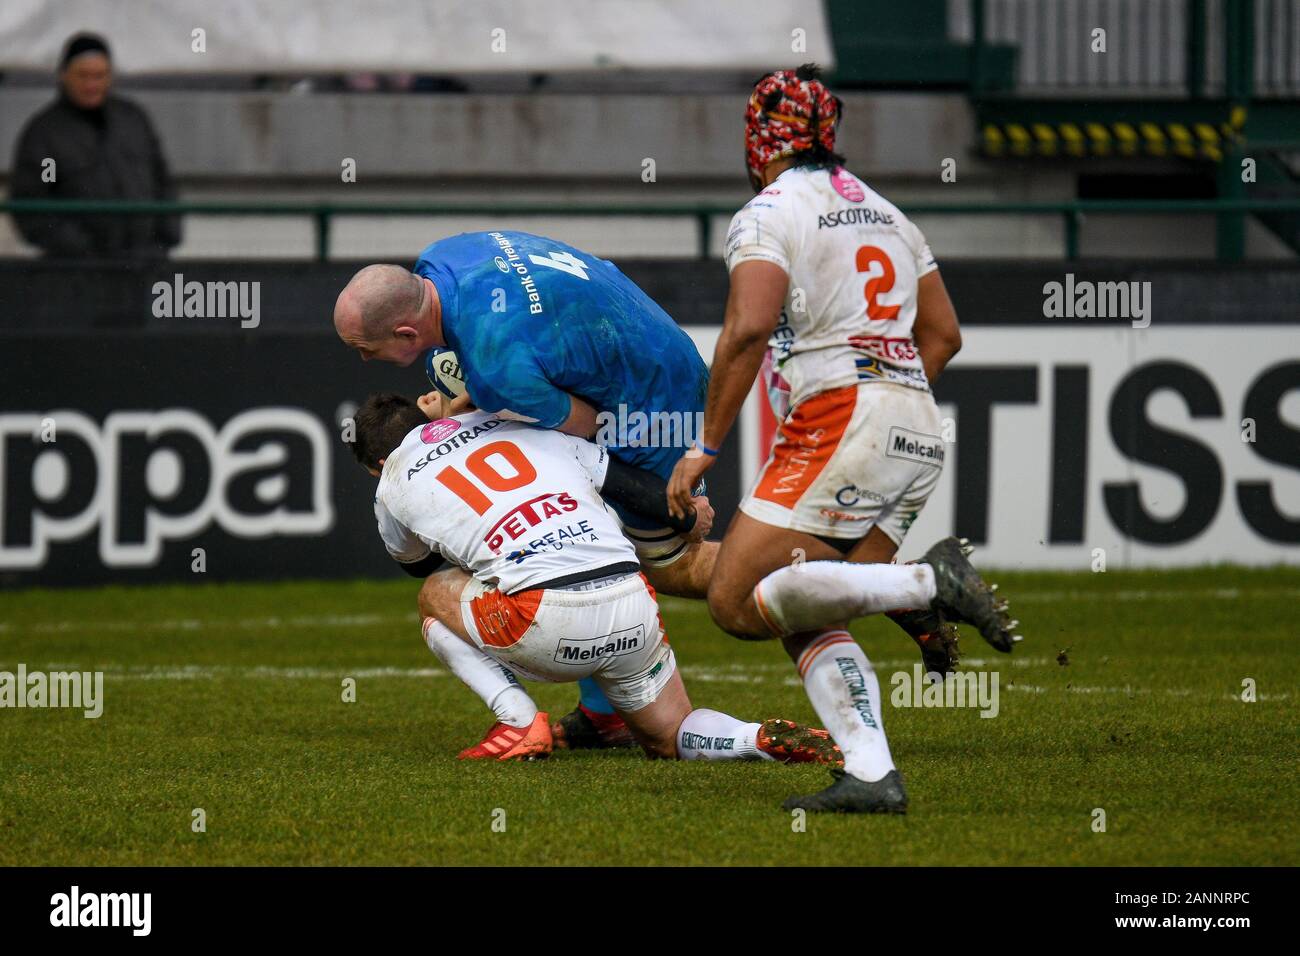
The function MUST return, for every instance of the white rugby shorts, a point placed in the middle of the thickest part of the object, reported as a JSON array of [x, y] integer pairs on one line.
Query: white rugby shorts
[[851, 459], [611, 633]]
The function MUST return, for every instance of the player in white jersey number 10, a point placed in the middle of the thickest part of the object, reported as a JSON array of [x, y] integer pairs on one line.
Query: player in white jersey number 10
[[843, 289], [540, 582]]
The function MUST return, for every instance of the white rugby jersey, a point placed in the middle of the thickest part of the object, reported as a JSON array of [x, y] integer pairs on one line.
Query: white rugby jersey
[[510, 503], [853, 260]]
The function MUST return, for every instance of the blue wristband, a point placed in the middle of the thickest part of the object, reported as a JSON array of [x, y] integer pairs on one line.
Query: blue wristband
[[711, 452]]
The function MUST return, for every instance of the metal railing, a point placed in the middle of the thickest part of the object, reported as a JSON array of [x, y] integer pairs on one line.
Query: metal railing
[[1236, 49], [1071, 212]]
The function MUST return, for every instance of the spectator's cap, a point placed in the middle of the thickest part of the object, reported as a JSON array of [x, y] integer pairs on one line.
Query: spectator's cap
[[79, 44]]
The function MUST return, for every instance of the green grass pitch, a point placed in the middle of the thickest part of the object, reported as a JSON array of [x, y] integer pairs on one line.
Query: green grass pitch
[[229, 698]]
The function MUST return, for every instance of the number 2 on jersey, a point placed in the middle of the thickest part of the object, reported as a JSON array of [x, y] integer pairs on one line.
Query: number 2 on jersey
[[878, 283], [486, 472]]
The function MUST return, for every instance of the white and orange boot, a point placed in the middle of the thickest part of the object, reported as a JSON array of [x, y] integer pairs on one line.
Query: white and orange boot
[[503, 742]]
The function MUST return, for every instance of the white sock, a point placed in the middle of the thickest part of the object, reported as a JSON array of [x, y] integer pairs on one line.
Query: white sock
[[494, 683], [713, 735], [812, 595], [846, 695]]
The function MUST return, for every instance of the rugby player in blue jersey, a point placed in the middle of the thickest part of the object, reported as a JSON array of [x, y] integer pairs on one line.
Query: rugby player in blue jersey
[[554, 336]]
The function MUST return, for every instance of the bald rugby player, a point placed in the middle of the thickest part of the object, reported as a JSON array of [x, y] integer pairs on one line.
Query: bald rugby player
[[552, 336]]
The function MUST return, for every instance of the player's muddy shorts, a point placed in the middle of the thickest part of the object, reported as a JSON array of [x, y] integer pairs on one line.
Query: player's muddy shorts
[[851, 459], [608, 630]]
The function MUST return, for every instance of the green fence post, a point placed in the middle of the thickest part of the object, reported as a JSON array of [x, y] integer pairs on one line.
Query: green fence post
[[1238, 86], [322, 235], [1247, 28], [977, 47], [1239, 50], [1196, 48], [1072, 218], [1230, 227]]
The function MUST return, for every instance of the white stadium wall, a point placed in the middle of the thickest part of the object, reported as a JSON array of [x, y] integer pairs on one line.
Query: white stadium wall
[[328, 36]]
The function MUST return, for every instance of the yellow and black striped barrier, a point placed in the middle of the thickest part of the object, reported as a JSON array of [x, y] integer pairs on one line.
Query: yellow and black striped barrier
[[1114, 138]]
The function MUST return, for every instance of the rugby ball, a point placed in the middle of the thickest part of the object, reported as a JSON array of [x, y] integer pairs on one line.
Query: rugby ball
[[444, 371]]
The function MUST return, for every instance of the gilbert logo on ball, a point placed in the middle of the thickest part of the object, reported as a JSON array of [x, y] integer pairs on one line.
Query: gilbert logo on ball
[[443, 369]]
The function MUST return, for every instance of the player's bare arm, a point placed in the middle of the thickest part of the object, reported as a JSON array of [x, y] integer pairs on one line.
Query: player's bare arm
[[643, 492], [753, 308], [439, 403], [937, 335], [581, 422]]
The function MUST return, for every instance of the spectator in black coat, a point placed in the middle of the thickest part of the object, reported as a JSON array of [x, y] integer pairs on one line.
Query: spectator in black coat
[[102, 147]]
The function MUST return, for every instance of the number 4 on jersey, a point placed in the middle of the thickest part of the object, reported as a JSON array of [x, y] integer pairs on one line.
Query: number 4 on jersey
[[564, 261]]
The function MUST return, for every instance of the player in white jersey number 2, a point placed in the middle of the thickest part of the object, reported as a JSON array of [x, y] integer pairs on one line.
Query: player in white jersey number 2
[[541, 582], [844, 289]]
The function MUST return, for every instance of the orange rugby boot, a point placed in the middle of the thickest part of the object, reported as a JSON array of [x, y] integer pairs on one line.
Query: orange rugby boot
[[504, 742], [788, 742]]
